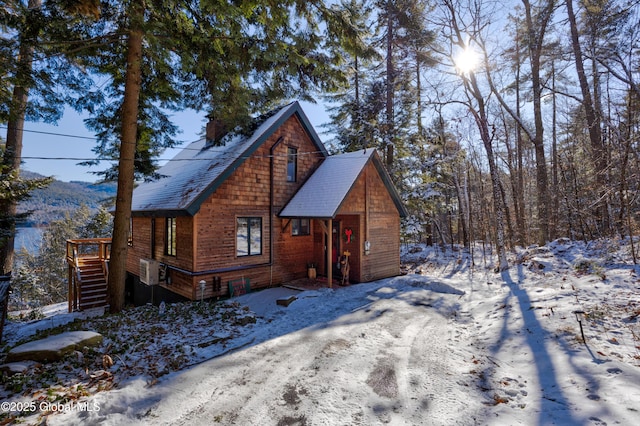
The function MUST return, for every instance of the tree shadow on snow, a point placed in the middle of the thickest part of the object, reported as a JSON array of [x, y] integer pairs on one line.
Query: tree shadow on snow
[[554, 406]]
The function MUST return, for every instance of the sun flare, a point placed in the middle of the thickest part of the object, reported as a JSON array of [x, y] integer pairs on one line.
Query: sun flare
[[467, 60]]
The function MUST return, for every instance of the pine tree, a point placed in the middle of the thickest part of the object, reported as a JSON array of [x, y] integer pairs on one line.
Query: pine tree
[[37, 81], [234, 59], [352, 117], [13, 189]]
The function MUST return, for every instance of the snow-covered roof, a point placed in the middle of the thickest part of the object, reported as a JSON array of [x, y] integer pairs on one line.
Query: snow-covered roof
[[326, 189], [199, 169]]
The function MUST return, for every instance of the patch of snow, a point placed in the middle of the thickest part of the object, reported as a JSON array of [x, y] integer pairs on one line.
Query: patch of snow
[[451, 343], [53, 347]]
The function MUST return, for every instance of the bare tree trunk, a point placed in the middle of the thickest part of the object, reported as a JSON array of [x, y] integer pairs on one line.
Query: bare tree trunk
[[13, 149], [479, 113], [496, 187], [126, 167], [593, 121], [467, 195], [536, 31], [555, 204], [625, 208], [461, 195], [518, 197]]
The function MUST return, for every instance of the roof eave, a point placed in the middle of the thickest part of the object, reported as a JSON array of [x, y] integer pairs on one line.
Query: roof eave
[[320, 217], [161, 213]]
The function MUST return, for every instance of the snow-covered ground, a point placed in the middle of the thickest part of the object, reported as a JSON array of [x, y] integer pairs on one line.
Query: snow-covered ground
[[447, 344]]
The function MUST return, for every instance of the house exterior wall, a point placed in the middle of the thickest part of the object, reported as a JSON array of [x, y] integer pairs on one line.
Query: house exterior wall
[[371, 215], [379, 223], [206, 244], [148, 242], [382, 231]]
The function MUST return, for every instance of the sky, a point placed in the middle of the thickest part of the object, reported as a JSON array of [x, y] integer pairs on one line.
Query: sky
[[55, 150]]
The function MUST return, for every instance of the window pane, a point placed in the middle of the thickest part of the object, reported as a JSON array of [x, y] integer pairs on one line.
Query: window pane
[[242, 237], [255, 236], [248, 236], [300, 227], [170, 236], [292, 164]]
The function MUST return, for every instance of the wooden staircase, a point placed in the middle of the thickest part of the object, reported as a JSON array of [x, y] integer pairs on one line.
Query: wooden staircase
[[92, 288], [88, 271]]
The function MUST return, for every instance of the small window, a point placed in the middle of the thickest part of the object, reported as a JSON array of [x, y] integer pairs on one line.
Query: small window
[[292, 164], [130, 237], [170, 236], [300, 227], [248, 236]]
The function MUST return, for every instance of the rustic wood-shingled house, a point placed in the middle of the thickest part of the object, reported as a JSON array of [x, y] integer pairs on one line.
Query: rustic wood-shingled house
[[258, 209]]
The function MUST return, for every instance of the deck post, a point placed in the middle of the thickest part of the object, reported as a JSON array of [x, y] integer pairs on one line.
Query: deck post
[[70, 280]]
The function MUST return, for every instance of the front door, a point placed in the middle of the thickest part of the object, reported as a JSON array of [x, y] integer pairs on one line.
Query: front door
[[335, 249]]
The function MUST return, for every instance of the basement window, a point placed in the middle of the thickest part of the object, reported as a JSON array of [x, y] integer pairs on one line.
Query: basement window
[[248, 236]]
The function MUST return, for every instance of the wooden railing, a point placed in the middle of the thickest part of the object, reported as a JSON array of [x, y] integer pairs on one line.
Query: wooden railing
[[88, 247], [79, 253]]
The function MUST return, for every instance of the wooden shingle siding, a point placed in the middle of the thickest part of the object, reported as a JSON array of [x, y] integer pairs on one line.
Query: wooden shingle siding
[[246, 193], [380, 226], [250, 181], [141, 248], [383, 231]]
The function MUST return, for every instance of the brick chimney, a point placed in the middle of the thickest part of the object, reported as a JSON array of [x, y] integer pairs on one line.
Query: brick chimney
[[215, 130]]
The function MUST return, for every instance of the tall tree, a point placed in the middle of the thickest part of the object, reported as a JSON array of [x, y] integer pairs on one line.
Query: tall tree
[[477, 105], [537, 18], [126, 165], [593, 118], [12, 155], [402, 24], [351, 118], [37, 81], [619, 40], [234, 59]]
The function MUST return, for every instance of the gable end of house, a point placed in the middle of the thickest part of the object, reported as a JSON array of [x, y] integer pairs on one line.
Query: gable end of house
[[293, 109]]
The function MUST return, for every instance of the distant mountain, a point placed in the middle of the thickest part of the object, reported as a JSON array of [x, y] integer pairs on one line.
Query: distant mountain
[[52, 202]]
